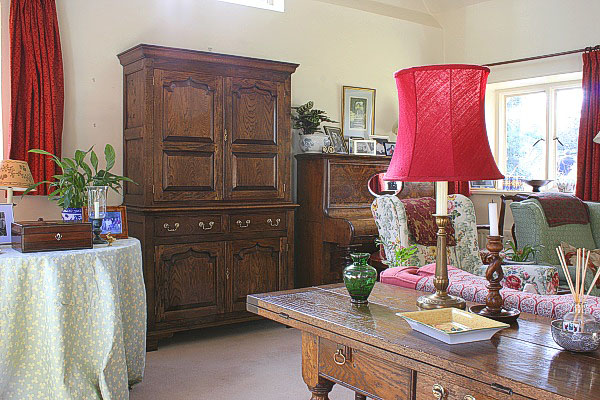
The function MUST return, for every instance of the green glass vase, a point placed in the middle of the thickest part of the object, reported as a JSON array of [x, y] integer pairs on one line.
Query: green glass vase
[[359, 278]]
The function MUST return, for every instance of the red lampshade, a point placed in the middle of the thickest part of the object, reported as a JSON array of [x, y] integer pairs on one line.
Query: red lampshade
[[441, 125]]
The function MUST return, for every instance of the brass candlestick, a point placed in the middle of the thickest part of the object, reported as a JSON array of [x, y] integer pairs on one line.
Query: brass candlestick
[[441, 298], [494, 303]]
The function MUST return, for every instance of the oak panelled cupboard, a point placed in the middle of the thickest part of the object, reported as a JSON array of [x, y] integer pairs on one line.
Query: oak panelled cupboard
[[207, 138]]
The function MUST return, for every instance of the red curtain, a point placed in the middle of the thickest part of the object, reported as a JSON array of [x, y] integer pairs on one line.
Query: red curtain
[[588, 152], [37, 86], [459, 188]]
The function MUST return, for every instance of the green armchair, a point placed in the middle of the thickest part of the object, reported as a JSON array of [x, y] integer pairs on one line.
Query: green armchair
[[532, 229]]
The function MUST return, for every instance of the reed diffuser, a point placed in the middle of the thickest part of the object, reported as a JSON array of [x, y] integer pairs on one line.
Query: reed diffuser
[[575, 321]]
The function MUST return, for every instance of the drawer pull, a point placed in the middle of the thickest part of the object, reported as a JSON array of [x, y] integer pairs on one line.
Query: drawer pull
[[210, 225], [58, 236], [502, 389], [168, 227], [469, 397], [339, 358], [270, 222], [242, 224], [439, 392]]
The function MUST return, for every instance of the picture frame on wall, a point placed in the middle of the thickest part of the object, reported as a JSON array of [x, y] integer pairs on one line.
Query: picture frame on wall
[[115, 222], [366, 147], [337, 139], [358, 111], [380, 146], [6, 220], [389, 148]]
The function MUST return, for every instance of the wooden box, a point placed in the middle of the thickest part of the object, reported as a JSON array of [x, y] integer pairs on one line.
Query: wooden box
[[32, 236]]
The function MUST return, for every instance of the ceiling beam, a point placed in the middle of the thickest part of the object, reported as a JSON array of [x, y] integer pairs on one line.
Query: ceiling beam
[[387, 10]]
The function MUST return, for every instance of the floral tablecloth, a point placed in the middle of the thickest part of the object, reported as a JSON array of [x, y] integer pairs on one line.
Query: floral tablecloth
[[72, 323]]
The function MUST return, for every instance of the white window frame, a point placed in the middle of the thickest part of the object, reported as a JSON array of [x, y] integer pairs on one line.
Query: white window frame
[[499, 137]]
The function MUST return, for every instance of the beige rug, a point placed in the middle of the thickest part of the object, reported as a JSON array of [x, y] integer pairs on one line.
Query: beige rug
[[254, 361]]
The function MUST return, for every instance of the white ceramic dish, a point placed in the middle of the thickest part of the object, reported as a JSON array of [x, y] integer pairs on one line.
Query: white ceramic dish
[[452, 326]]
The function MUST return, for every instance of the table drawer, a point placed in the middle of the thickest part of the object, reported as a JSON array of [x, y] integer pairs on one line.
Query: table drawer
[[459, 388], [272, 221], [375, 376], [188, 225]]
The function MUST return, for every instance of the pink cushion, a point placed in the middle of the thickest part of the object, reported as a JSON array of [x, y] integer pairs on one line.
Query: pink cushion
[[408, 277]]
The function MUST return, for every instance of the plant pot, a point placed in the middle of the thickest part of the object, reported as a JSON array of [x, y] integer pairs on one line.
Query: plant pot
[[314, 143], [359, 278], [72, 214]]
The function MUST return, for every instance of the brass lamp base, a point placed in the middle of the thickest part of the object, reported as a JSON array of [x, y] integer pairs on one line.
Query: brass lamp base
[[439, 300]]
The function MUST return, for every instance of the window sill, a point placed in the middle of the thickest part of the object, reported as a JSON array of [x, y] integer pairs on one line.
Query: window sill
[[496, 192]]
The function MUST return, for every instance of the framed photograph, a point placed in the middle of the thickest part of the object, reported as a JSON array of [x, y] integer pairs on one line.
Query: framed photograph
[[389, 148], [6, 220], [358, 111], [487, 184], [364, 147], [115, 222], [380, 146], [337, 139]]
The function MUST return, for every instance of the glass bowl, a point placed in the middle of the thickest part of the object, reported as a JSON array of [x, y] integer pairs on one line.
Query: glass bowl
[[580, 342]]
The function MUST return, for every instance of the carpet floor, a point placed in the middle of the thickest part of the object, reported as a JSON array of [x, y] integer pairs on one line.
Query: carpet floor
[[258, 360]]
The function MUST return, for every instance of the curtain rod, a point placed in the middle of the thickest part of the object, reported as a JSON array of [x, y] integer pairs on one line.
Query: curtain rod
[[562, 53]]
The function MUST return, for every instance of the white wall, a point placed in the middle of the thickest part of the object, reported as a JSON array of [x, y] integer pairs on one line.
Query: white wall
[[334, 46], [499, 30]]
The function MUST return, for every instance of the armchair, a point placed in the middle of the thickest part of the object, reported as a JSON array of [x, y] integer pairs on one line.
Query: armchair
[[531, 228], [390, 218]]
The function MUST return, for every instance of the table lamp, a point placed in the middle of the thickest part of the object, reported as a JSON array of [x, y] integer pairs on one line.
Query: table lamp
[[14, 175], [441, 138]]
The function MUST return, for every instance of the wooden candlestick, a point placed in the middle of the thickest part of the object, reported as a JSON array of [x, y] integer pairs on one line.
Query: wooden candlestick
[[494, 303]]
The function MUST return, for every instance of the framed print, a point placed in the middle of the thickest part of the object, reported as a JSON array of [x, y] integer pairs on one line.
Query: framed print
[[115, 222], [6, 220], [358, 111], [364, 147], [486, 184], [380, 146], [337, 139], [389, 148]]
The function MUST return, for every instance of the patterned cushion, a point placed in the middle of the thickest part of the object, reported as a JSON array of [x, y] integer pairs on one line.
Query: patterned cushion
[[390, 218], [474, 288], [594, 261], [544, 278]]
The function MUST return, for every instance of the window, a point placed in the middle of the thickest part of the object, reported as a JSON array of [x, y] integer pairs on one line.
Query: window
[[274, 5], [538, 128]]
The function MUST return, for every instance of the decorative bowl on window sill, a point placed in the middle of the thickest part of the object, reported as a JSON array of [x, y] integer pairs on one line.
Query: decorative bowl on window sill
[[536, 184]]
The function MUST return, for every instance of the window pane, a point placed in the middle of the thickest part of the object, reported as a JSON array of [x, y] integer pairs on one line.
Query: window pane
[[568, 111], [525, 135]]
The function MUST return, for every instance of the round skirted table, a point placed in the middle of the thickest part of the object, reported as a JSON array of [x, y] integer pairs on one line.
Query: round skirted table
[[72, 323]]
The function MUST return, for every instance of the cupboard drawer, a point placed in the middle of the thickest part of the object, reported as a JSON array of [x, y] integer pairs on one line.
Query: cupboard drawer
[[188, 225], [257, 222], [375, 376], [458, 388]]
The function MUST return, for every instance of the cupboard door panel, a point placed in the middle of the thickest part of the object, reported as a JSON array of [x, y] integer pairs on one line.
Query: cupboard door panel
[[255, 267], [189, 129], [258, 145], [189, 281]]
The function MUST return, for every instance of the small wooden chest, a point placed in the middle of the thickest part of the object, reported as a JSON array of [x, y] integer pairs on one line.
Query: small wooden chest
[[31, 236]]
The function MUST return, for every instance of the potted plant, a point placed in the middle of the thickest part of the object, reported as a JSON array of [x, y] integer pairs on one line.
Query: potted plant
[[514, 255], [308, 120], [70, 186]]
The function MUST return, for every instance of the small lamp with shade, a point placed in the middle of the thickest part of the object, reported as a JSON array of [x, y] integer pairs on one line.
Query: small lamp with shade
[[14, 175]]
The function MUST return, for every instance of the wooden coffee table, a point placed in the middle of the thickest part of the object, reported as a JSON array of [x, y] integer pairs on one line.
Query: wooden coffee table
[[375, 353]]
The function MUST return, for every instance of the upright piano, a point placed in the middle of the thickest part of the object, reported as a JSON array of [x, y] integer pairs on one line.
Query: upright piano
[[334, 218]]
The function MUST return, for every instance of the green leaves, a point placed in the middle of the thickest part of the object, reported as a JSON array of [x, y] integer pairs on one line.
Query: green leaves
[[307, 119], [70, 186]]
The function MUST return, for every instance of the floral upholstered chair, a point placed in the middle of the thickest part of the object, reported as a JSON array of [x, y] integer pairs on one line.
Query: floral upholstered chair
[[391, 220]]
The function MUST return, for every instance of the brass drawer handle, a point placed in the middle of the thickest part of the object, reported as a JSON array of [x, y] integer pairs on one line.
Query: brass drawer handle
[[270, 222], [339, 358], [241, 224], [469, 397], [168, 227], [58, 236], [210, 225], [439, 392]]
